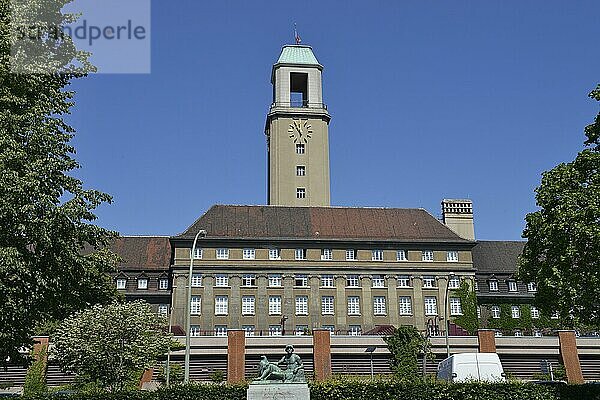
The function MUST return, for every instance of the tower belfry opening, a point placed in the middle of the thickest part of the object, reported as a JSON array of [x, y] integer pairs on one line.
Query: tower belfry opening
[[298, 89]]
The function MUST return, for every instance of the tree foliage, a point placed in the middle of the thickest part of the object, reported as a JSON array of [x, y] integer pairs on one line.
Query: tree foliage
[[563, 237], [46, 214], [468, 299], [405, 346], [110, 344]]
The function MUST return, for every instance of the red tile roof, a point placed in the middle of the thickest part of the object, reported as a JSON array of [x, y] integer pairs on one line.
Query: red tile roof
[[143, 252]]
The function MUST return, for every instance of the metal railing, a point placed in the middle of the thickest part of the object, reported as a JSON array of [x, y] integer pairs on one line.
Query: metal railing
[[299, 104]]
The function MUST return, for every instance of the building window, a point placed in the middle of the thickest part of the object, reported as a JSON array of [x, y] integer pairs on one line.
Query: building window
[[452, 256], [300, 281], [455, 306], [247, 305], [518, 333], [222, 254], [300, 148], [427, 255], [142, 283], [495, 312], [221, 305], [377, 255], [300, 193], [354, 330], [301, 330], [274, 330], [274, 305], [249, 330], [430, 305], [249, 254], [326, 254], [454, 282], [274, 254], [275, 280], [330, 328], [401, 255], [163, 309], [478, 312], [121, 283], [498, 334], [405, 305], [221, 280], [531, 287], [300, 170], [378, 281], [535, 313], [163, 283], [327, 305], [476, 284], [300, 254], [512, 286], [537, 333], [353, 305], [196, 305], [403, 281], [428, 282], [493, 285], [195, 330], [379, 305], [352, 281], [198, 253], [249, 280], [220, 330], [301, 305], [350, 255], [515, 312], [196, 280], [555, 315], [327, 281]]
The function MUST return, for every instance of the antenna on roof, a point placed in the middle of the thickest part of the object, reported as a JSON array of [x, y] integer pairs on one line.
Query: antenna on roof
[[296, 36]]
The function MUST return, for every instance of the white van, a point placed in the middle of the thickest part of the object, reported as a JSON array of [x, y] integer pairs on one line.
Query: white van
[[464, 367]]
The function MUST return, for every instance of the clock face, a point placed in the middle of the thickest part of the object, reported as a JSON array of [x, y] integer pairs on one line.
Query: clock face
[[300, 130]]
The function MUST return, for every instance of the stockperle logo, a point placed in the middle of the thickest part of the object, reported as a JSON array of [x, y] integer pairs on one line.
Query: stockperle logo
[[102, 36]]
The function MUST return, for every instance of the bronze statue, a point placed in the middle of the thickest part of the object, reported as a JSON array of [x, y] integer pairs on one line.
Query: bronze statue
[[294, 371]]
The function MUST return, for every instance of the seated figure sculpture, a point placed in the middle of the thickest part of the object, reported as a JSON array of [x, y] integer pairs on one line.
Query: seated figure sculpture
[[294, 371]]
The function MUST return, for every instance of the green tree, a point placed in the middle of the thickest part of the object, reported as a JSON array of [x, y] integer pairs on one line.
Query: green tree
[[405, 345], [111, 344], [468, 300], [563, 237], [46, 214]]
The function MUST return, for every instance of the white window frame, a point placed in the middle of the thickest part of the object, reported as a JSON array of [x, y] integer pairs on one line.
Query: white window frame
[[121, 283], [379, 305], [452, 256], [515, 312], [430, 305], [353, 305], [401, 255], [196, 305], [495, 312], [377, 255], [535, 312], [221, 280], [274, 254], [302, 279], [454, 282], [249, 254], [301, 330], [274, 280], [378, 281], [478, 312], [301, 305], [300, 170], [221, 305], [429, 282], [274, 305], [512, 286], [427, 255], [142, 283], [300, 193], [249, 280], [300, 148], [300, 254], [532, 287], [248, 305], [195, 330], [220, 330], [327, 305], [163, 309], [403, 281], [455, 306], [326, 254], [493, 285], [196, 280], [405, 305], [163, 283], [354, 330], [198, 253], [274, 330], [352, 281], [350, 255], [222, 253], [249, 330], [518, 333], [327, 281], [476, 285]]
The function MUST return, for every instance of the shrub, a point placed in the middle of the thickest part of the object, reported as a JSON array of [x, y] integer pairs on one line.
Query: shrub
[[35, 380]]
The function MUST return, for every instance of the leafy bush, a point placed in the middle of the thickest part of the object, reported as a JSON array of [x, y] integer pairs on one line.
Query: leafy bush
[[176, 373], [405, 345], [35, 380]]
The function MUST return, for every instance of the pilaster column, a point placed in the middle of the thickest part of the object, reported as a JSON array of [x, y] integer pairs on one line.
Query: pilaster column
[[340, 308], [393, 313], [367, 303]]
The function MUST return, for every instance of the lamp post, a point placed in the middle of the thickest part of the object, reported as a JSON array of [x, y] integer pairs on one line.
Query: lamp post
[[186, 377], [170, 328], [447, 322], [370, 350]]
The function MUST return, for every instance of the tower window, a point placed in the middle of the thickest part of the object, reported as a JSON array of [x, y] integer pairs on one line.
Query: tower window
[[300, 193], [298, 89], [300, 170], [300, 148]]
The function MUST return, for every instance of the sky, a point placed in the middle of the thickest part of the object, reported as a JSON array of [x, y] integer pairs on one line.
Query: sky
[[429, 100]]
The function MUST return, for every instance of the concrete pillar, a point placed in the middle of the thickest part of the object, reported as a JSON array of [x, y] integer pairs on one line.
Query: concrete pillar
[[487, 340], [322, 354], [393, 313], [366, 308], [418, 303], [236, 355], [569, 356], [340, 303], [235, 302]]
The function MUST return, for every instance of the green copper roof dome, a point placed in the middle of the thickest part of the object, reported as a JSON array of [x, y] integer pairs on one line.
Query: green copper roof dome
[[297, 54]]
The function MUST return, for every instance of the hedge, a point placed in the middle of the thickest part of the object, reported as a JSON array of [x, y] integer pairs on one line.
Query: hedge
[[361, 390]]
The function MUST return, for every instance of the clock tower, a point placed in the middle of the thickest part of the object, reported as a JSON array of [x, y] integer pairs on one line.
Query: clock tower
[[297, 131]]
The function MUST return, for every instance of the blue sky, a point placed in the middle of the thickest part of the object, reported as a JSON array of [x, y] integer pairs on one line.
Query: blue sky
[[429, 100]]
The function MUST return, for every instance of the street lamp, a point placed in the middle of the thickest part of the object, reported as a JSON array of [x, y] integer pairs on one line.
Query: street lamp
[[188, 327], [370, 350], [447, 322]]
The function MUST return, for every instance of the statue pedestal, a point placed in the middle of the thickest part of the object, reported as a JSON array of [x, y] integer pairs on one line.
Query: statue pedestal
[[278, 391]]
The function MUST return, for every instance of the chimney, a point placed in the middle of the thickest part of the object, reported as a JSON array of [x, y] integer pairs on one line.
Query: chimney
[[457, 214]]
